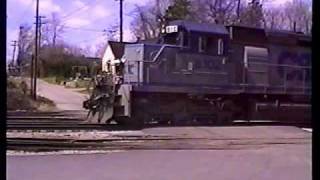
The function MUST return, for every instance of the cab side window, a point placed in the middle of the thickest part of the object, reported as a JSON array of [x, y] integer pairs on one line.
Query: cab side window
[[220, 46], [202, 44]]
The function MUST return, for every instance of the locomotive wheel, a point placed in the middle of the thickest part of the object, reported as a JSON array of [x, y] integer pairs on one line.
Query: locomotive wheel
[[101, 111], [224, 118], [130, 122], [164, 119]]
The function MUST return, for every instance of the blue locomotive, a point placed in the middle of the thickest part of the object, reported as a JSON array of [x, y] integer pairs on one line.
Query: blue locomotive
[[212, 73]]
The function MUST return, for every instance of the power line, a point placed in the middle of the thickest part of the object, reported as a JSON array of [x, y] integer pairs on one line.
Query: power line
[[78, 10], [85, 29], [91, 39]]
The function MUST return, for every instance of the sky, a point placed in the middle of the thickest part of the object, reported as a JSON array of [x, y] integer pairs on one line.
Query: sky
[[91, 16]]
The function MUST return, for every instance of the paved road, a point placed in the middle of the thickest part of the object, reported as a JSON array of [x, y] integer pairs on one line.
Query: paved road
[[270, 161], [65, 99], [282, 162]]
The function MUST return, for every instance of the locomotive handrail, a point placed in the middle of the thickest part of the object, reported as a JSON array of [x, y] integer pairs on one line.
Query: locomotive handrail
[[303, 85], [282, 65], [161, 50]]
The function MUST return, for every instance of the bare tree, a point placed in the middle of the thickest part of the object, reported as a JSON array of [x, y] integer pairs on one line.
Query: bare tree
[[112, 33], [52, 30], [87, 51], [252, 14], [144, 24], [100, 48], [25, 44], [149, 19], [298, 15], [200, 11], [215, 11], [159, 13], [274, 18]]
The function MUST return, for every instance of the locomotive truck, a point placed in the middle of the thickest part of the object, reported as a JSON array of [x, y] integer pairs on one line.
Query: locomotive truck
[[212, 73]]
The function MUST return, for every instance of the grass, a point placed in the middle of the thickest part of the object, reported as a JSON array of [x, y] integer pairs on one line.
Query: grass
[[17, 100]]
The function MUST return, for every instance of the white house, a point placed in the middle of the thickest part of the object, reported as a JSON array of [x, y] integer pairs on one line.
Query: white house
[[113, 53], [108, 56]]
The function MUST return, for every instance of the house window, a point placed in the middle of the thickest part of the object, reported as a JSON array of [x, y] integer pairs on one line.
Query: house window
[[202, 44], [220, 46]]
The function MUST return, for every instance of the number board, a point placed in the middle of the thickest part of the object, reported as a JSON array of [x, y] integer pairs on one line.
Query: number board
[[171, 29]]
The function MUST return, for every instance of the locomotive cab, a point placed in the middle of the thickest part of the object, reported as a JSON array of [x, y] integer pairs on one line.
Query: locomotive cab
[[206, 39]]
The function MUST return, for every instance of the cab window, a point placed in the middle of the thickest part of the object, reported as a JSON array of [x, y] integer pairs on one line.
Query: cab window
[[202, 43]]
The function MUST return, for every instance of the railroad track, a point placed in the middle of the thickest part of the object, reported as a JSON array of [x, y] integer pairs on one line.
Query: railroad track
[[58, 123], [110, 127], [146, 143], [51, 113], [62, 127], [67, 120]]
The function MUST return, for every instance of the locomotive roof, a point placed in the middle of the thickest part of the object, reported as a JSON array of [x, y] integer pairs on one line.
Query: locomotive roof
[[285, 33], [252, 34], [200, 27], [276, 33]]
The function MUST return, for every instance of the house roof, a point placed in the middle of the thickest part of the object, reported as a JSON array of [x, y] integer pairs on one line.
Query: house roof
[[200, 27], [117, 48]]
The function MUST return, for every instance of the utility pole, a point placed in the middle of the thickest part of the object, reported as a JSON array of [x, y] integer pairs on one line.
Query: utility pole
[[32, 75], [121, 20], [36, 51], [14, 51]]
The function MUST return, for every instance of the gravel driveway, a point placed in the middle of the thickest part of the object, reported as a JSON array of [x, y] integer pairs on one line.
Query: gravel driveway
[[65, 99]]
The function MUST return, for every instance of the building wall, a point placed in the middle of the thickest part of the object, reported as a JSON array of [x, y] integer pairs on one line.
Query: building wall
[[108, 56]]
